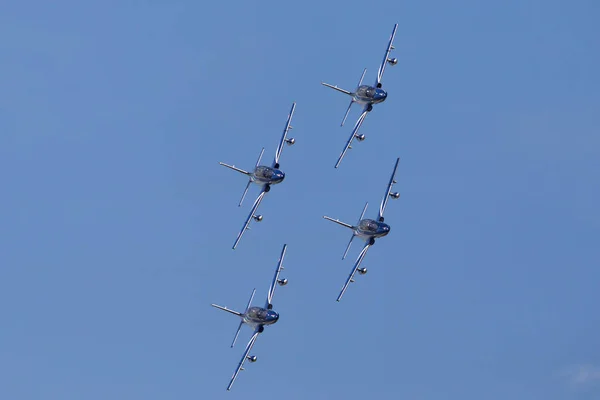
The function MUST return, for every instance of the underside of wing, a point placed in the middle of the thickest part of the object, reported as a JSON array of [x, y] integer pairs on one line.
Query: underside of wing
[[354, 135], [385, 57], [388, 192], [240, 366], [276, 281], [250, 217], [284, 138], [355, 268]]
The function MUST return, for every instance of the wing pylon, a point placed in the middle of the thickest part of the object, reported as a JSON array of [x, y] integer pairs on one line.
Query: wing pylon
[[251, 215], [276, 280], [355, 268], [245, 357], [353, 135], [388, 192], [386, 58], [284, 138]]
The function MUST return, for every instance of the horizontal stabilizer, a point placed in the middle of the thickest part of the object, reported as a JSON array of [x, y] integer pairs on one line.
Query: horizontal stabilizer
[[347, 112]]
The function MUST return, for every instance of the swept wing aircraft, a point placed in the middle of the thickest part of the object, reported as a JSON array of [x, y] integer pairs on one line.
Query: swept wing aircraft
[[367, 230], [256, 317], [263, 176], [366, 95]]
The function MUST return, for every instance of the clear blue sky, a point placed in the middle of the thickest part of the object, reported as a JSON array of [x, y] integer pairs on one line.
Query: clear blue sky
[[117, 222]]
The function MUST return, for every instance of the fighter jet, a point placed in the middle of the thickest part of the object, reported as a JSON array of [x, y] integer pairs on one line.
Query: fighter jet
[[367, 230], [256, 317], [264, 176], [366, 95]]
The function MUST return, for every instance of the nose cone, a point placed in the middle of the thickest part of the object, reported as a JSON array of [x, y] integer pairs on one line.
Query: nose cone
[[380, 94], [272, 316], [385, 229], [278, 176]]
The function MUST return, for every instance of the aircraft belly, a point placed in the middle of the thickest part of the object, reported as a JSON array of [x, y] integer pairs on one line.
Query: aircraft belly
[[262, 181], [251, 322], [363, 236], [362, 100]]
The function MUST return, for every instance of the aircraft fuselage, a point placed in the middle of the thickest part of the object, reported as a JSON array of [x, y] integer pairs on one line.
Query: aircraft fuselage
[[366, 94], [256, 316], [264, 175], [369, 228]]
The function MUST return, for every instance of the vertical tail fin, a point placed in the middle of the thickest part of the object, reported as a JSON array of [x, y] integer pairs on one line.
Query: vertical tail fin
[[245, 173], [337, 221], [245, 311], [353, 235], [233, 167], [352, 101], [349, 93], [345, 225], [239, 314]]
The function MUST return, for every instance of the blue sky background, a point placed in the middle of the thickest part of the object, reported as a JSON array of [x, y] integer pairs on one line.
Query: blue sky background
[[117, 222]]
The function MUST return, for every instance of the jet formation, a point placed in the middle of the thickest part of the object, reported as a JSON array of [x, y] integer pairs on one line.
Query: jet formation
[[265, 176]]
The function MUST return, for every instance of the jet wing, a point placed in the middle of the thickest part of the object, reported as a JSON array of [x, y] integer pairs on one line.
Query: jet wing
[[352, 136], [385, 57], [288, 127], [388, 191], [359, 260], [240, 366], [250, 216], [269, 302]]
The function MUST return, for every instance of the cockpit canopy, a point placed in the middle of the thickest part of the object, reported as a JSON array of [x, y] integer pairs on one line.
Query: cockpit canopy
[[368, 225], [257, 313], [264, 172], [366, 91], [268, 175]]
